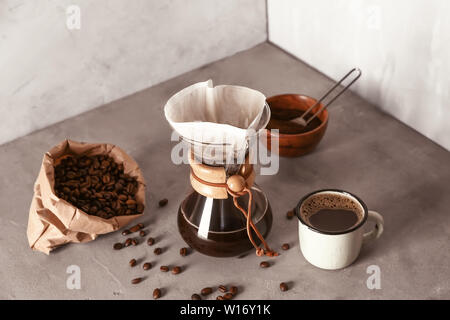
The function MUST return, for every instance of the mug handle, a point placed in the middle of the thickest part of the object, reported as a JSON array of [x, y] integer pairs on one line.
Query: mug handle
[[377, 230]]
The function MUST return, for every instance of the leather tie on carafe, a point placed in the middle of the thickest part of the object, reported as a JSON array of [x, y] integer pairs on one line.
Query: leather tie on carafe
[[236, 186]]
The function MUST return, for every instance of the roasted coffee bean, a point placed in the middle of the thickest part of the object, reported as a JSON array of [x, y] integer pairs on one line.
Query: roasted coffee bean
[[118, 186], [140, 208], [130, 202], [223, 289], [196, 297], [147, 266], [136, 280], [128, 242], [132, 262], [134, 242], [227, 296], [176, 270], [285, 246], [284, 287], [163, 202], [290, 214], [130, 189], [157, 293], [150, 241], [234, 290], [142, 233], [220, 298], [206, 291], [157, 251], [164, 268], [104, 164], [183, 252], [93, 210], [118, 246], [106, 179], [136, 227], [264, 264], [71, 175]]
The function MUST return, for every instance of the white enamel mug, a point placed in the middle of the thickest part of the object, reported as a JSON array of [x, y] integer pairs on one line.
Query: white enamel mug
[[336, 250]]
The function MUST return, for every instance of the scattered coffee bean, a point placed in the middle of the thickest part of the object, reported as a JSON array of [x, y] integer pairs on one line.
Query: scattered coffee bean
[[290, 214], [140, 208], [126, 232], [264, 264], [196, 297], [220, 298], [285, 246], [223, 289], [176, 270], [283, 286], [206, 291], [157, 251], [163, 202], [97, 185], [136, 280], [164, 268], [137, 227], [147, 266], [157, 293], [142, 233], [132, 262], [183, 252], [150, 241], [234, 290], [128, 242], [228, 296], [134, 242], [118, 246]]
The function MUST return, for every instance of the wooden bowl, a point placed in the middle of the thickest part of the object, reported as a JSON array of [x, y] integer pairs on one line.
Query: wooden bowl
[[295, 144]]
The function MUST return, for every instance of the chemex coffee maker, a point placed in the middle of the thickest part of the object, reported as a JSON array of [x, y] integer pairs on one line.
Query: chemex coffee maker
[[226, 214]]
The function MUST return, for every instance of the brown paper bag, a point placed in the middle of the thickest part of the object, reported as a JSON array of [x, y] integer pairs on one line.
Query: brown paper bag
[[53, 221]]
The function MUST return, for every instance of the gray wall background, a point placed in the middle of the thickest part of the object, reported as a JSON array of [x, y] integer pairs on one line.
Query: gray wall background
[[402, 46], [49, 73]]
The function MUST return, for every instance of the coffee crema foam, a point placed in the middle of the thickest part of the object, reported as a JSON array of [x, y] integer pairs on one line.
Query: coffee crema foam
[[330, 200]]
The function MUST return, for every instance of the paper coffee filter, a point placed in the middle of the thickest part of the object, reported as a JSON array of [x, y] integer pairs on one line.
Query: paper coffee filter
[[216, 115]]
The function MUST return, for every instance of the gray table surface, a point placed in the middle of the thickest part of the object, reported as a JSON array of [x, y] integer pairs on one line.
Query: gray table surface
[[395, 170]]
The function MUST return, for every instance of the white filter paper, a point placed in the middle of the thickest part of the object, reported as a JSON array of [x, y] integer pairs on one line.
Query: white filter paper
[[223, 114]]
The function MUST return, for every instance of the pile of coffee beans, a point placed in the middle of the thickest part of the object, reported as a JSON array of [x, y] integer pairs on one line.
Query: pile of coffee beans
[[97, 185]]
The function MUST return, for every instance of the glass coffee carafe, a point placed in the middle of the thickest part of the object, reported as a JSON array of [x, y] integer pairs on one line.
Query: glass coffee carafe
[[216, 227], [225, 214]]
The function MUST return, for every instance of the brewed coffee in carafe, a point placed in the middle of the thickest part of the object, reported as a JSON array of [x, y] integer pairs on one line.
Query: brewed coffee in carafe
[[216, 227]]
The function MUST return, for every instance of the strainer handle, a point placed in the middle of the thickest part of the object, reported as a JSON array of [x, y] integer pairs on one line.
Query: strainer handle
[[358, 74]]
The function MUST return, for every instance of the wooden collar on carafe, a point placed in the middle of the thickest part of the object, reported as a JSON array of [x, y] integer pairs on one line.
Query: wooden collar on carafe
[[212, 182]]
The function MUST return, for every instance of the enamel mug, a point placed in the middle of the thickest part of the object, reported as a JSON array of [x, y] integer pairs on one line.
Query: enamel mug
[[336, 250]]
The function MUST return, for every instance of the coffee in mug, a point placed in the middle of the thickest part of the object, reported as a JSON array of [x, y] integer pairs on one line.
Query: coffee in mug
[[331, 227]]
